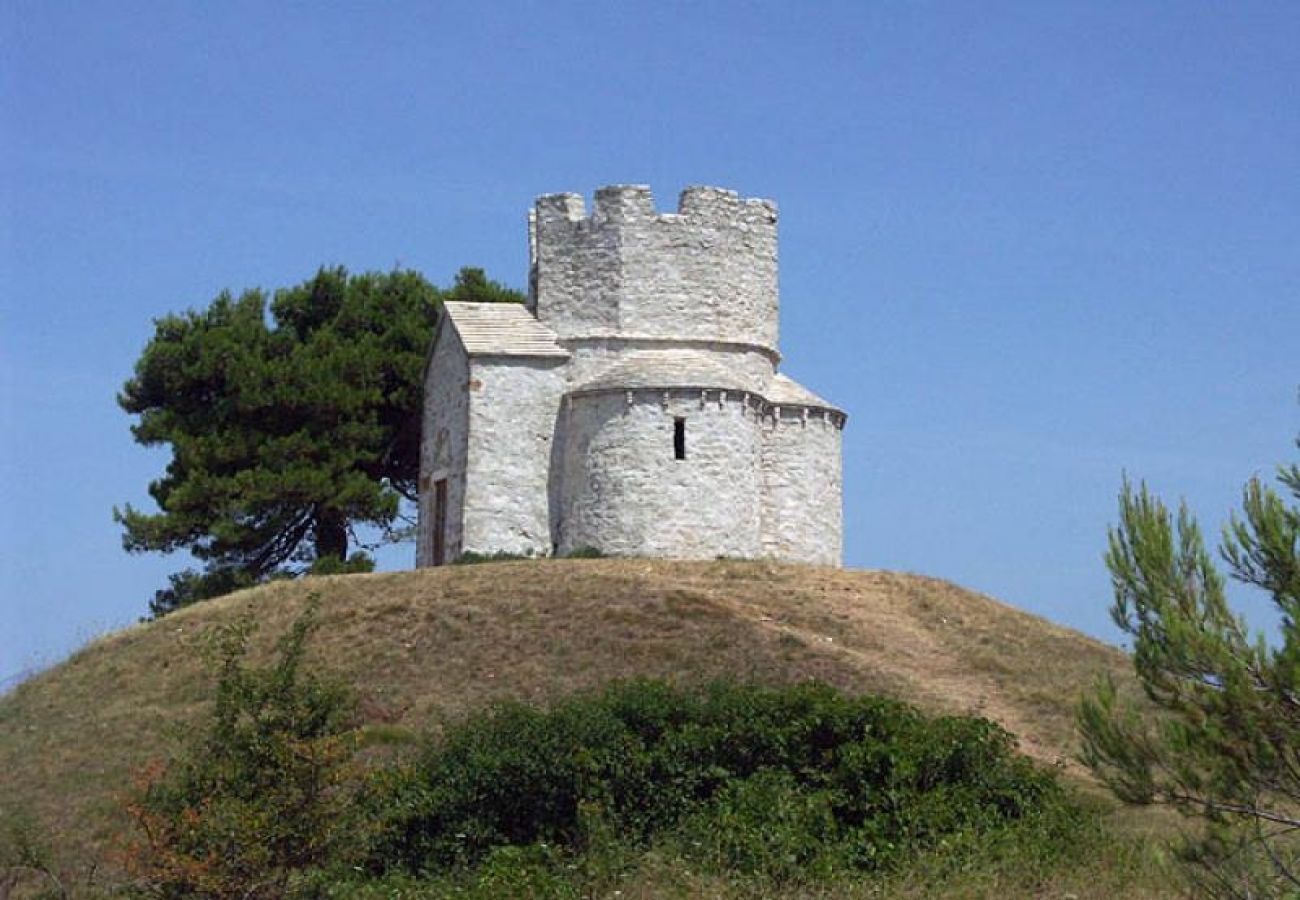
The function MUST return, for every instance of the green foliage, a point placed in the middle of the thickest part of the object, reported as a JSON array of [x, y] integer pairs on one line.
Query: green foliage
[[1226, 747], [536, 872], [768, 825], [355, 564], [190, 586], [474, 558], [781, 782], [286, 431], [263, 792], [584, 553], [473, 286]]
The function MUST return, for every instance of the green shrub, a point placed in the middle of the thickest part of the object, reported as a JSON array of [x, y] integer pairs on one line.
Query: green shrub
[[536, 872], [331, 565], [772, 781], [584, 553], [260, 794], [473, 557], [766, 825]]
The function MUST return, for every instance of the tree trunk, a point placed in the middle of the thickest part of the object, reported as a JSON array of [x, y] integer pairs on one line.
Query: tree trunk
[[331, 535]]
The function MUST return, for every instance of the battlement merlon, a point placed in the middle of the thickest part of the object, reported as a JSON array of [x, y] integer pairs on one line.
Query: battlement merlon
[[559, 207], [630, 203]]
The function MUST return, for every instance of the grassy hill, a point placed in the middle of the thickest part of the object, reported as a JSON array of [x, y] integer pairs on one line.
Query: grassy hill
[[422, 646]]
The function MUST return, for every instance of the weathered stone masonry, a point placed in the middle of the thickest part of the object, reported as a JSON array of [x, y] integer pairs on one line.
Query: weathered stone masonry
[[634, 404]]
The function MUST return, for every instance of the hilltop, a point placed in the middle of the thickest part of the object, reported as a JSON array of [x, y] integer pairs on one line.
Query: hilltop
[[426, 645]]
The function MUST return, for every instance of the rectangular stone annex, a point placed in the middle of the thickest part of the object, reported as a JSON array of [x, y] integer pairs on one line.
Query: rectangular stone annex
[[633, 404]]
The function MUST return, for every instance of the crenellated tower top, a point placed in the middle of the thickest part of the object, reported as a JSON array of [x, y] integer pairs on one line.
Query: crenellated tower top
[[707, 272]]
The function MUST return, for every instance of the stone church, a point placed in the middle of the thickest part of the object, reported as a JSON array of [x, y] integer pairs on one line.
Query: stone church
[[633, 405]]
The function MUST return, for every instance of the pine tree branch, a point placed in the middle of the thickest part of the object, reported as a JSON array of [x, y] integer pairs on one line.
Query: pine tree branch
[[1246, 810]]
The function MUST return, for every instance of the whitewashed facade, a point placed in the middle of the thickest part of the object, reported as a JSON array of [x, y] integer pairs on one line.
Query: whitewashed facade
[[633, 405]]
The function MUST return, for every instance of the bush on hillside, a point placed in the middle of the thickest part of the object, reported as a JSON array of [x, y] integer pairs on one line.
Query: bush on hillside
[[776, 781], [584, 552], [473, 557], [357, 563], [261, 792]]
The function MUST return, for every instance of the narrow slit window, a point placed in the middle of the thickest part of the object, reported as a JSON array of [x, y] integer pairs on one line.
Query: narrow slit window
[[679, 438]]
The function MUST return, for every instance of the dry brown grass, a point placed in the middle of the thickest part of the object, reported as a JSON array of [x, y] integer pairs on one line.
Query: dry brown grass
[[425, 645]]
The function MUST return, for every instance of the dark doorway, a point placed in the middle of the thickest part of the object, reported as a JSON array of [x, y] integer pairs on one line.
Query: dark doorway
[[440, 522]]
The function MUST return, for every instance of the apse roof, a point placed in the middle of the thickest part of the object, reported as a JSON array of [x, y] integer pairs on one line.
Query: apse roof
[[680, 368], [785, 391], [665, 369]]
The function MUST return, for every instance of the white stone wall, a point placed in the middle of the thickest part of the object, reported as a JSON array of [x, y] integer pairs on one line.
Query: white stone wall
[[707, 272], [802, 486], [444, 442], [623, 492], [513, 408]]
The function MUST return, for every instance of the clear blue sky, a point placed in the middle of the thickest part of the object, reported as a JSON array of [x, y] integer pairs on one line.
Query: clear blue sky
[[1028, 246]]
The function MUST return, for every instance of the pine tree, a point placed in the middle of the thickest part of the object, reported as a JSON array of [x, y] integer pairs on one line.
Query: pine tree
[[287, 430], [1224, 742]]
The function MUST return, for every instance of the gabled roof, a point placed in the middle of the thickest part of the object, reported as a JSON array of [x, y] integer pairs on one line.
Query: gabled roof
[[664, 369], [785, 391], [501, 329]]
